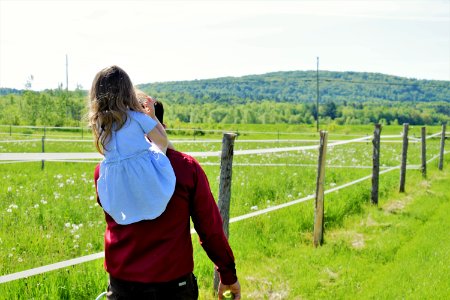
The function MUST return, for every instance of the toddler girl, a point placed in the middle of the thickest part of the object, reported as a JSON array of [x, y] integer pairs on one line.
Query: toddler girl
[[136, 179]]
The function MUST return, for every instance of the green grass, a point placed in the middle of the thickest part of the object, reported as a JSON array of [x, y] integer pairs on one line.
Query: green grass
[[397, 251], [50, 215]]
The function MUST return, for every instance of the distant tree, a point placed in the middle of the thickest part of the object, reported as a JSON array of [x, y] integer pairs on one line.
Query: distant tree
[[330, 110]]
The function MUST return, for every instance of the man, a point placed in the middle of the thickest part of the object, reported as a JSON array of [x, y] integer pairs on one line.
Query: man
[[154, 259]]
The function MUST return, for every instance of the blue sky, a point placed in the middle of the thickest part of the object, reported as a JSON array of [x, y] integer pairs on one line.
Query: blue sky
[[158, 41]]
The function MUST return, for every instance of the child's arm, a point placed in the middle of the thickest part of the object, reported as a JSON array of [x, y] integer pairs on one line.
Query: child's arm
[[158, 134]]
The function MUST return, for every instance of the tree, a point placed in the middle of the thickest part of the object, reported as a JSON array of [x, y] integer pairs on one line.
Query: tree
[[330, 110]]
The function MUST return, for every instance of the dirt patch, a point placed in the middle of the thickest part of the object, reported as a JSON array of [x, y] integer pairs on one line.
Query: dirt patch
[[397, 206], [358, 241], [264, 289]]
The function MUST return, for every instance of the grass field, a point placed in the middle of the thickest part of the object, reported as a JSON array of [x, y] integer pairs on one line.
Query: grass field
[[51, 215]]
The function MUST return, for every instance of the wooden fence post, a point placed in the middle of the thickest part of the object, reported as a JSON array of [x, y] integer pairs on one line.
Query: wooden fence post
[[404, 156], [441, 152], [375, 163], [424, 152], [43, 150], [226, 163], [319, 201]]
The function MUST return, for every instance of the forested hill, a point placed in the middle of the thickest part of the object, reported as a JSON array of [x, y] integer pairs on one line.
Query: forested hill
[[301, 87], [272, 98]]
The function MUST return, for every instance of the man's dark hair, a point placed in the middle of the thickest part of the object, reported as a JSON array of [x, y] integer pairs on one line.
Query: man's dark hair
[[159, 111]]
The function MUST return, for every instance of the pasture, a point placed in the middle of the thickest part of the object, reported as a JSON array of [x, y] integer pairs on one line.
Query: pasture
[[51, 215]]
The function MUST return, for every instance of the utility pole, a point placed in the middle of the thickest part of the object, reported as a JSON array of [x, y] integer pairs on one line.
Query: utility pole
[[317, 100], [67, 73]]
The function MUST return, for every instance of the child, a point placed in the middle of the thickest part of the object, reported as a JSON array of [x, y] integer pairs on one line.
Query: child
[[136, 179]]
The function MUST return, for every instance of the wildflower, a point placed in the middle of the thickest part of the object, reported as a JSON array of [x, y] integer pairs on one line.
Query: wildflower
[[43, 201], [67, 225], [91, 198], [20, 259], [36, 206], [9, 189], [61, 185], [255, 207]]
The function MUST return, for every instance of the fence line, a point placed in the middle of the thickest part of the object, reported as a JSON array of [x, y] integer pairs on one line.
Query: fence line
[[363, 140], [79, 260], [87, 129], [93, 155]]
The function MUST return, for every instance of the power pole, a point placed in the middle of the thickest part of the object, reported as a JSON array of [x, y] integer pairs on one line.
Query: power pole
[[67, 73], [317, 100]]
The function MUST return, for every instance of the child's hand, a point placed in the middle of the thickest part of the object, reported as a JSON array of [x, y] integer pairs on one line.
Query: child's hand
[[149, 107]]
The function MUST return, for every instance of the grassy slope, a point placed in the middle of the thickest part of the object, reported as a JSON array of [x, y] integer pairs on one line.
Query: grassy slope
[[399, 250]]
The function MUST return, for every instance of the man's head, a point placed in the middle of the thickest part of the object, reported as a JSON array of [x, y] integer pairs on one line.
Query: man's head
[[145, 100]]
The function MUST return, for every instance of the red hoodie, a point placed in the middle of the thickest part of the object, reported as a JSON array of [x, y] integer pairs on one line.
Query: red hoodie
[[160, 250]]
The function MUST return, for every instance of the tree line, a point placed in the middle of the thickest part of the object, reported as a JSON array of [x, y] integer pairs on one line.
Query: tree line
[[281, 97]]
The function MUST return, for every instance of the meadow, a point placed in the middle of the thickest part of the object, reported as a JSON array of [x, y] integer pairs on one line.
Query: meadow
[[51, 215]]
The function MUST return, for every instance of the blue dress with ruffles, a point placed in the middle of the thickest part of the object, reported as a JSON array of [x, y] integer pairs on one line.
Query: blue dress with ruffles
[[136, 178]]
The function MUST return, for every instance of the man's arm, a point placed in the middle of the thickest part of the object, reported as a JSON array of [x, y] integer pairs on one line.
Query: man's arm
[[208, 224]]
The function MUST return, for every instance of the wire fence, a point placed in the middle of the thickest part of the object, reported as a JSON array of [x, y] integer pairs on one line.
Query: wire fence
[[95, 158]]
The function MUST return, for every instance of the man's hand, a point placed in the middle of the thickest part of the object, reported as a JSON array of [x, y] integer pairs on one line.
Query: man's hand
[[234, 288]]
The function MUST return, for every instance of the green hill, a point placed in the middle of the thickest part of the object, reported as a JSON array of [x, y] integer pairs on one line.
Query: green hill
[[301, 87], [280, 97]]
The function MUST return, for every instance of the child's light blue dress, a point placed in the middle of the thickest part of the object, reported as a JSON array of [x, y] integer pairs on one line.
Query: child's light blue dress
[[136, 179]]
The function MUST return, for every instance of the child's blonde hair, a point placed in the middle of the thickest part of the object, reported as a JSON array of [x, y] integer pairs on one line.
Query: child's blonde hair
[[111, 95]]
